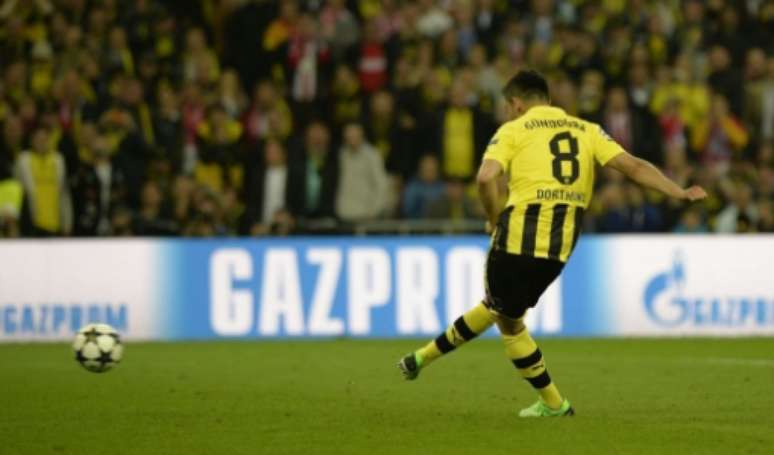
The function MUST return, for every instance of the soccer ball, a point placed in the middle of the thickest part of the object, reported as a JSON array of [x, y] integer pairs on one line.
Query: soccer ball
[[98, 347]]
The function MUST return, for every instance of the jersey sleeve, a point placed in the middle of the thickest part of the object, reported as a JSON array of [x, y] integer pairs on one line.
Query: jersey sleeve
[[501, 147], [606, 148]]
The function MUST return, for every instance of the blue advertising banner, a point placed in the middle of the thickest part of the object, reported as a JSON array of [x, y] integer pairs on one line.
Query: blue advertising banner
[[378, 287], [375, 287]]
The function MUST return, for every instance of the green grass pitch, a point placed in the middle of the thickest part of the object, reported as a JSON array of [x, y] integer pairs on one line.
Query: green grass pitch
[[346, 397]]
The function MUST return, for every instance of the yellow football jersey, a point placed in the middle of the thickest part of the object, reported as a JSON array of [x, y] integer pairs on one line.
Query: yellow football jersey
[[549, 158]]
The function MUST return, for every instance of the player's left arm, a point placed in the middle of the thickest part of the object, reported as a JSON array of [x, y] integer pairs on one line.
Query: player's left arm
[[609, 154], [488, 192]]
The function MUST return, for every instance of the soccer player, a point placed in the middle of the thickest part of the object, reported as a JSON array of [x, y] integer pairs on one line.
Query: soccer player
[[549, 158]]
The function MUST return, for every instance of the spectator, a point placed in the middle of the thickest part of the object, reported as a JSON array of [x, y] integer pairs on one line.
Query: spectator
[[765, 215], [725, 79], [320, 168], [542, 20], [448, 51], [200, 64], [84, 143], [767, 101], [392, 136], [488, 81], [132, 101], [12, 142], [75, 102], [43, 175], [564, 94], [11, 198], [268, 115], [230, 94], [741, 215], [131, 151], [193, 111], [283, 223], [466, 35], [590, 94], [232, 210], [583, 56], [387, 17], [118, 58], [307, 52], [152, 218], [207, 219], [643, 216], [362, 191], [182, 195], [453, 203], [424, 189], [759, 94], [346, 103], [28, 113], [691, 222], [41, 69], [634, 129], [372, 65], [681, 85], [720, 137], [167, 125], [729, 35], [15, 81], [433, 20], [488, 22], [694, 29], [121, 223], [765, 168], [219, 165], [616, 52], [676, 167], [98, 187], [338, 27], [462, 133], [149, 75], [272, 186], [614, 216], [673, 128], [280, 29], [640, 85]]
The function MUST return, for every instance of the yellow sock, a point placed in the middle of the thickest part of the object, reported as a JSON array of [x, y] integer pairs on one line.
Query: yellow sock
[[527, 358], [428, 353], [468, 326]]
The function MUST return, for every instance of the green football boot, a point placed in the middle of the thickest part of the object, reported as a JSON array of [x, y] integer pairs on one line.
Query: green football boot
[[410, 366], [540, 409]]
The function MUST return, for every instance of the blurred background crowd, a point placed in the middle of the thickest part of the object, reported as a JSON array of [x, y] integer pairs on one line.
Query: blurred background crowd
[[239, 117]]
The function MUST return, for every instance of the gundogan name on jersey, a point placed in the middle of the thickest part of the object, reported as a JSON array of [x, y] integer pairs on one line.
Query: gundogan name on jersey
[[554, 123]]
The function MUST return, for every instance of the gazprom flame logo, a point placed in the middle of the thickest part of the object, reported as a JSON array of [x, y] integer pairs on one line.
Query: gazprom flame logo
[[670, 313], [668, 305]]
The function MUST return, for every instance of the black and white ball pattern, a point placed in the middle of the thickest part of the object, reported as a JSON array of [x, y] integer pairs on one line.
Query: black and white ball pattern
[[98, 347]]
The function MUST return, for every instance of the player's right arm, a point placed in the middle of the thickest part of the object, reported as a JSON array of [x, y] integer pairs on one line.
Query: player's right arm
[[497, 159], [649, 176]]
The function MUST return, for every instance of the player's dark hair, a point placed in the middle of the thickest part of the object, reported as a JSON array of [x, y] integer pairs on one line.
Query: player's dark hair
[[526, 84]]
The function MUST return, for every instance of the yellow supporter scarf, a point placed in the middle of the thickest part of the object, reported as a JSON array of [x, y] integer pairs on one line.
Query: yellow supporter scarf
[[458, 143], [46, 183]]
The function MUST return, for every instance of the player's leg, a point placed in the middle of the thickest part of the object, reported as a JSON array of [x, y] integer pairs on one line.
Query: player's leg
[[525, 355], [465, 328], [514, 284]]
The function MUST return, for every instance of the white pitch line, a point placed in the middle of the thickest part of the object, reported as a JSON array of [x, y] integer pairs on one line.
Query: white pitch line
[[736, 361], [752, 362]]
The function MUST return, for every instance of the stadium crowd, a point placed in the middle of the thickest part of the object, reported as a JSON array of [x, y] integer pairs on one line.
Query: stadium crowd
[[200, 118]]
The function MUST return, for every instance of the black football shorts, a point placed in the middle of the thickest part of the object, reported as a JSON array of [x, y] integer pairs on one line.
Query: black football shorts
[[514, 282]]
